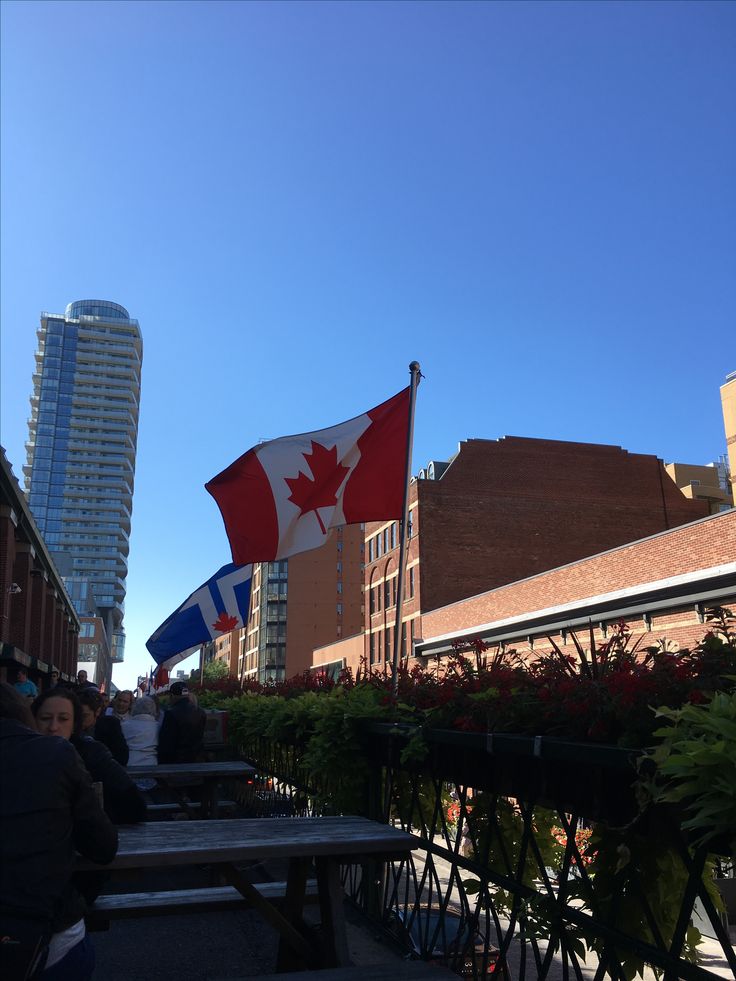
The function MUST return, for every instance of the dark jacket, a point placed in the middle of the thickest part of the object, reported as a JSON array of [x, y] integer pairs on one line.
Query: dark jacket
[[48, 809], [182, 733], [109, 732], [124, 803]]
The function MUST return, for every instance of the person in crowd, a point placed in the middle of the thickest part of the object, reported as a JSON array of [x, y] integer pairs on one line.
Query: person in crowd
[[54, 678], [121, 705], [83, 682], [23, 685], [182, 731], [59, 713], [104, 728], [141, 732], [48, 811]]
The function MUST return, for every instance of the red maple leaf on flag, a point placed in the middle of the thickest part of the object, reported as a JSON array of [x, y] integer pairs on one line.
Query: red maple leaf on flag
[[224, 623], [319, 490]]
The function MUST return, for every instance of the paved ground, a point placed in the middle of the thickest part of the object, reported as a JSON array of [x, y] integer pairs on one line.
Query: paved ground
[[209, 946]]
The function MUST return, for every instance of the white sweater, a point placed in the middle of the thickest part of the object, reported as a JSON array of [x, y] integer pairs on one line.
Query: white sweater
[[141, 735]]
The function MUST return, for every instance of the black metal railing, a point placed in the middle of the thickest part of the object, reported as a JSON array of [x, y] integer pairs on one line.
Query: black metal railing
[[534, 861]]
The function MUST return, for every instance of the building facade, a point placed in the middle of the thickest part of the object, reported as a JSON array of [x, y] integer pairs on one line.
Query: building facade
[[661, 586], [81, 452], [728, 405], [309, 600], [39, 626], [708, 483], [503, 510]]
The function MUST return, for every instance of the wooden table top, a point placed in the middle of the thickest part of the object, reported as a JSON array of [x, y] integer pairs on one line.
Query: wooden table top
[[228, 768], [156, 844]]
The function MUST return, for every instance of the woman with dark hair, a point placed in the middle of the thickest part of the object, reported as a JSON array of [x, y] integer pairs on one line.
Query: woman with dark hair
[[48, 810], [59, 713]]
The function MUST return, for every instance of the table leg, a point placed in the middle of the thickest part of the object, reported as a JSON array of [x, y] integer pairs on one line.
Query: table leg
[[296, 888], [292, 929], [334, 932]]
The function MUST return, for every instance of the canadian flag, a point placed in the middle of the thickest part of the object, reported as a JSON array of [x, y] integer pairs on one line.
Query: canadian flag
[[284, 496]]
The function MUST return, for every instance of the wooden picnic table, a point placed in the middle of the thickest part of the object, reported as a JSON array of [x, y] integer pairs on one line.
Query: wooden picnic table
[[327, 842], [174, 776]]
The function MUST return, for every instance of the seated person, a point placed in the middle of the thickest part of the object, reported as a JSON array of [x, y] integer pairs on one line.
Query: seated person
[[104, 728], [141, 732], [23, 685], [121, 705], [48, 811], [58, 713]]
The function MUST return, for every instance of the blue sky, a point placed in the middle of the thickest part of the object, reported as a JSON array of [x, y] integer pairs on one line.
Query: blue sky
[[537, 201]]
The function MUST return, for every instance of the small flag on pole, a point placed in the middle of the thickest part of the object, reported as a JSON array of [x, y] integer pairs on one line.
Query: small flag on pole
[[283, 497], [216, 607]]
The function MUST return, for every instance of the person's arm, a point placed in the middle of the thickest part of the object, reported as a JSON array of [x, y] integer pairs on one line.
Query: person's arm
[[109, 731], [123, 801], [93, 833]]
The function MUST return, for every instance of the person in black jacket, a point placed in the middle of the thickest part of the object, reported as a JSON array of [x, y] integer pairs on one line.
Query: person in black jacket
[[104, 728], [48, 810], [58, 713], [182, 731]]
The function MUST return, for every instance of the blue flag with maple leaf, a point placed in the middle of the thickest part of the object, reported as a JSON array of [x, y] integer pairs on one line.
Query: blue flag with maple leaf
[[216, 607]]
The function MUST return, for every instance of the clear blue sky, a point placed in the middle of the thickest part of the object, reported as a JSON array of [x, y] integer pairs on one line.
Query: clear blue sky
[[537, 201]]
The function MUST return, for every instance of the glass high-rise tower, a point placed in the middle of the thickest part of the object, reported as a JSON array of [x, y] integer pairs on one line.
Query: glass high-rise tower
[[81, 450]]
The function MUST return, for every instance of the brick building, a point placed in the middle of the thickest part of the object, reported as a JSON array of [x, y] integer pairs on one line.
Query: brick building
[[39, 626], [503, 510], [314, 598], [660, 585]]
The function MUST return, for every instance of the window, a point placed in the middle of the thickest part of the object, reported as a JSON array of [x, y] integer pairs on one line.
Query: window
[[387, 594], [378, 646], [372, 600], [410, 525], [372, 648], [339, 609], [339, 568], [385, 540], [339, 586], [411, 581], [371, 556], [393, 534]]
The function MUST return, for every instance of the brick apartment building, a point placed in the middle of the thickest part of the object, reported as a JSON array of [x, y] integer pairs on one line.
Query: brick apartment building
[[39, 626], [501, 511], [312, 599]]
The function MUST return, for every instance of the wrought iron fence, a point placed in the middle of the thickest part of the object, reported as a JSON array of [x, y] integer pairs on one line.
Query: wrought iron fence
[[534, 859]]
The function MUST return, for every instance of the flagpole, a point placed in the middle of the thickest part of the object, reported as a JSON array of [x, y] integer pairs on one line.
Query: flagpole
[[415, 376]]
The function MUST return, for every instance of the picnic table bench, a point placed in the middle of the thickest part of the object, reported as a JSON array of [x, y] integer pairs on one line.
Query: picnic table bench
[[325, 842], [175, 776]]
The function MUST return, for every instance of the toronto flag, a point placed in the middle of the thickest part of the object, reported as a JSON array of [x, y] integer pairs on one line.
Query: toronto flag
[[216, 607], [284, 496]]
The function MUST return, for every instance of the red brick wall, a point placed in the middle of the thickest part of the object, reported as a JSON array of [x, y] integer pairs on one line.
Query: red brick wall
[[511, 508], [701, 545], [312, 618]]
